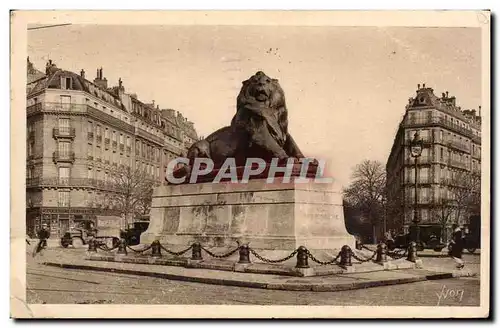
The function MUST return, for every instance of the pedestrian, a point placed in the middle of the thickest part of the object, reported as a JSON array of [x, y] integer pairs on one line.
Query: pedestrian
[[43, 235], [457, 246]]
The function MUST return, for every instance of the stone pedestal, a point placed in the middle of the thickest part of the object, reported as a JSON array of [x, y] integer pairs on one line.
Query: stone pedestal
[[278, 216]]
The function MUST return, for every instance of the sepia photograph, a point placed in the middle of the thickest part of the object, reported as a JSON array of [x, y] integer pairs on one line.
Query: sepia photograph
[[250, 164]]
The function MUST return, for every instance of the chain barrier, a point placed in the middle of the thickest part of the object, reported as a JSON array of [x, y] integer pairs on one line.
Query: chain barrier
[[220, 256], [371, 250], [397, 254], [363, 260], [321, 262], [263, 259], [105, 248], [176, 253], [140, 250]]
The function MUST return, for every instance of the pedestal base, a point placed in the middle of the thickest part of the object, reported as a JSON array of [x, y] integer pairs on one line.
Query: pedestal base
[[278, 216]]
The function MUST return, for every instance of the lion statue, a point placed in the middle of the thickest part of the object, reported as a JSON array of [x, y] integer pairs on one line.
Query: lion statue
[[259, 129]]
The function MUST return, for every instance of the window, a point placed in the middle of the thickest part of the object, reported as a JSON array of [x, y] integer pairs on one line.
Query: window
[[121, 139], [98, 130], [90, 173], [90, 153], [114, 136], [63, 125], [441, 154], [128, 141], [106, 133], [63, 175], [63, 147], [65, 103], [63, 199]]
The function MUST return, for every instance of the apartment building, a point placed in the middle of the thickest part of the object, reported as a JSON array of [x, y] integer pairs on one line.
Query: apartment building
[[451, 147], [78, 131]]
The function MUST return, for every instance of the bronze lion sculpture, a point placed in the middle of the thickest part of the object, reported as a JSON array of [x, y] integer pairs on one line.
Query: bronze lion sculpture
[[259, 129]]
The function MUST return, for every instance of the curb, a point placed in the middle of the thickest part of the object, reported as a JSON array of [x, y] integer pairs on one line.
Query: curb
[[315, 287]]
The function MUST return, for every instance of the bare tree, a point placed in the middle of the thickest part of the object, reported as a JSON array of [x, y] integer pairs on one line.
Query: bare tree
[[444, 209], [132, 194], [367, 191], [465, 188]]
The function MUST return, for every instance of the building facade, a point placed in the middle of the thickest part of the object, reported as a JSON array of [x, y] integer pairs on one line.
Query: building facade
[[78, 131], [451, 150]]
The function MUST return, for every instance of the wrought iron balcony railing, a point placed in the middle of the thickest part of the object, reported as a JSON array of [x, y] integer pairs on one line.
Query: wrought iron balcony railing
[[65, 132], [68, 156]]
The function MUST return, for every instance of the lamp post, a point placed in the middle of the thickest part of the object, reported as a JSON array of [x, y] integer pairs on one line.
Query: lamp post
[[416, 152]]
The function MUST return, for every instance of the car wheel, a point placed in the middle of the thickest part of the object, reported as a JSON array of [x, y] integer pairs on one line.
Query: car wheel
[[438, 249], [471, 250], [77, 242], [64, 243], [115, 241]]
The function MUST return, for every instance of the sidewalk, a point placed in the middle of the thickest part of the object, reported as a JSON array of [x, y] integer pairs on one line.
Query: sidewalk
[[336, 282]]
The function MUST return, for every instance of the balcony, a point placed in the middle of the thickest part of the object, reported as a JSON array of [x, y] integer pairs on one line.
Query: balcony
[[98, 159], [31, 134], [65, 132], [458, 163], [440, 121], [421, 160], [98, 138], [68, 156], [421, 180], [106, 161], [115, 144], [90, 157], [458, 145], [129, 149], [68, 182], [106, 143], [476, 155], [122, 147], [90, 135]]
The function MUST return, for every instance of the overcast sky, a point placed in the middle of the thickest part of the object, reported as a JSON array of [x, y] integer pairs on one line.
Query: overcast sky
[[346, 88]]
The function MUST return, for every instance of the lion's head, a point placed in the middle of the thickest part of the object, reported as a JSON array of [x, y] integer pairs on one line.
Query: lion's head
[[260, 88]]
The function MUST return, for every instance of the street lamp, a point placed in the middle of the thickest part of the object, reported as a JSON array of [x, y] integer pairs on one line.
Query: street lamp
[[416, 152]]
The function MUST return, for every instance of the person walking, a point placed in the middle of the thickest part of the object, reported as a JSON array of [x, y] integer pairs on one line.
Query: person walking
[[43, 235], [457, 246]]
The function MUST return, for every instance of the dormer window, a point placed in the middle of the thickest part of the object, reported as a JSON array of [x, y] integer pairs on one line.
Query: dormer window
[[421, 100], [66, 83]]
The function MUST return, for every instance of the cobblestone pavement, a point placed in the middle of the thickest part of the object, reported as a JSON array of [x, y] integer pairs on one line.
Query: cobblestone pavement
[[56, 285]]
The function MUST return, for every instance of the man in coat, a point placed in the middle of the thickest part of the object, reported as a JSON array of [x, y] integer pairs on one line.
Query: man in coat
[[457, 246], [43, 235]]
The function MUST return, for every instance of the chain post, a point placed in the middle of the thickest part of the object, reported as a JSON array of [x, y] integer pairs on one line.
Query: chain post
[[359, 245], [156, 248], [302, 257], [381, 253], [92, 246], [244, 254], [412, 252], [122, 247], [345, 256], [196, 253]]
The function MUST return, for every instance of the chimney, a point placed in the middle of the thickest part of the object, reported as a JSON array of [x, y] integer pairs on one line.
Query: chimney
[[100, 81], [423, 85], [479, 110], [473, 113], [82, 74], [446, 94], [443, 95], [418, 86]]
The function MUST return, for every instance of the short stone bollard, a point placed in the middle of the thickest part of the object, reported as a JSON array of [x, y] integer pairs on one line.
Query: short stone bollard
[[244, 254], [381, 253], [412, 252], [196, 253], [302, 258], [122, 247], [345, 256], [156, 249], [92, 246]]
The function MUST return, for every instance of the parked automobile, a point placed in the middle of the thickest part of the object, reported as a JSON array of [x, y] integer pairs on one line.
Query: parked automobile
[[107, 232], [133, 233], [430, 238]]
